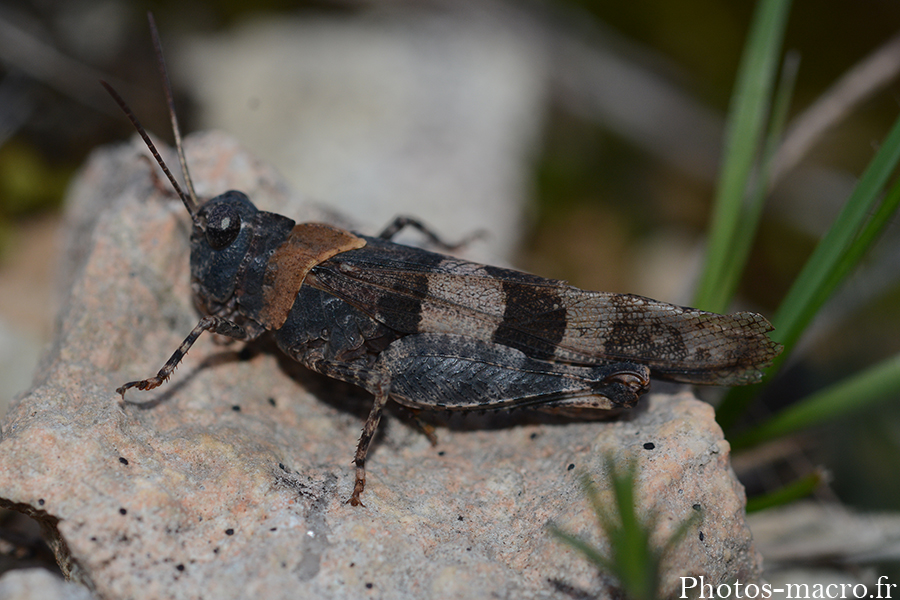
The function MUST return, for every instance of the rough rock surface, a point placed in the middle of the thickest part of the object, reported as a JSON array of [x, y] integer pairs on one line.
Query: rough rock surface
[[39, 584], [231, 480]]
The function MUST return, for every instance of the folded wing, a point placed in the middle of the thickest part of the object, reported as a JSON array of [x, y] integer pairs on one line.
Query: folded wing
[[414, 291]]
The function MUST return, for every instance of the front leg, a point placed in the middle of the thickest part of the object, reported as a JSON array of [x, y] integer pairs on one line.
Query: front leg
[[211, 323]]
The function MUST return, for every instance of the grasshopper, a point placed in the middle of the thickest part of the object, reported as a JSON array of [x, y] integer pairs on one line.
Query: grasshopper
[[430, 331]]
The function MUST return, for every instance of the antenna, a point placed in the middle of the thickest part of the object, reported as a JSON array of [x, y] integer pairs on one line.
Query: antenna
[[188, 204], [167, 85], [190, 201]]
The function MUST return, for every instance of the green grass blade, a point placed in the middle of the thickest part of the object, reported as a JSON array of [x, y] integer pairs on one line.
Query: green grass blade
[[795, 490], [837, 254], [855, 393], [634, 560], [746, 123], [807, 293], [736, 258], [870, 233], [590, 552]]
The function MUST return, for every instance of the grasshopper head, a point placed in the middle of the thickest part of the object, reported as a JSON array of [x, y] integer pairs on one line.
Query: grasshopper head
[[220, 240], [224, 255]]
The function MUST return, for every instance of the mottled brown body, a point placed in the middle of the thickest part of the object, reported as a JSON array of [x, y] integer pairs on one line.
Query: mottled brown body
[[435, 332]]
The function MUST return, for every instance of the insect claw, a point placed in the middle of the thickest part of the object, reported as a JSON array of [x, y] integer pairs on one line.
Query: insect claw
[[358, 488]]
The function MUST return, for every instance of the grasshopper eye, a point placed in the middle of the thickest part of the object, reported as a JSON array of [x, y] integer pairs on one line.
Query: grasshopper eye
[[223, 223]]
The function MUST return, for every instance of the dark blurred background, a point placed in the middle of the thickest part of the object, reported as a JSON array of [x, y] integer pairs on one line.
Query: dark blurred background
[[621, 175]]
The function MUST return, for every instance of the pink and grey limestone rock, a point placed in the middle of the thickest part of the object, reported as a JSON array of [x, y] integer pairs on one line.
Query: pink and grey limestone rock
[[231, 480]]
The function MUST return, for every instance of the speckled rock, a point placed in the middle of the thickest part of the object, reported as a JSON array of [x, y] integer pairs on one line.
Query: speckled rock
[[231, 480], [39, 584]]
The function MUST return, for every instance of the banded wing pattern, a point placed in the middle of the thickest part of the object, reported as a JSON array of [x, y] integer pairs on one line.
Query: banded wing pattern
[[546, 319]]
